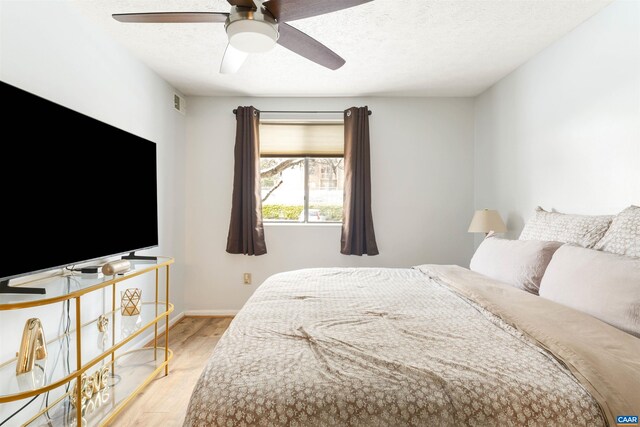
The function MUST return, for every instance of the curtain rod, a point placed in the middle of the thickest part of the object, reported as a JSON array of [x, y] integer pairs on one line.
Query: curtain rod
[[301, 112]]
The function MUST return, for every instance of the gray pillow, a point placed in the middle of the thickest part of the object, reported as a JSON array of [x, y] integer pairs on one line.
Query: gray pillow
[[606, 286], [581, 230], [519, 263], [623, 237]]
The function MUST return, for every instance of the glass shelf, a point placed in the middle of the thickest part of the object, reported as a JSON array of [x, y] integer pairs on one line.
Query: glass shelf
[[132, 371], [71, 285], [61, 361]]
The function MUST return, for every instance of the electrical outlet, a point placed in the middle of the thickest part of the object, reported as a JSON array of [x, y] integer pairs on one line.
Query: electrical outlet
[[247, 278]]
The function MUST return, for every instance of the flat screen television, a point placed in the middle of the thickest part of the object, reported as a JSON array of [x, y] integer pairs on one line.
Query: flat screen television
[[74, 188]]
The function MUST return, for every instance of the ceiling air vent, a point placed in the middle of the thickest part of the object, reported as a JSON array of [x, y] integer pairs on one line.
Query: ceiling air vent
[[179, 103]]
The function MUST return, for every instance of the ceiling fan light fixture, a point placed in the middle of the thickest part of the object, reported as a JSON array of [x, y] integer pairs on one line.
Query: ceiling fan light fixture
[[252, 36], [256, 26]]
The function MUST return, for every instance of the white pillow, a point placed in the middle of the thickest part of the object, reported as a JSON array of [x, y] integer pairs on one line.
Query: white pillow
[[581, 230], [606, 286], [520, 263], [623, 237]]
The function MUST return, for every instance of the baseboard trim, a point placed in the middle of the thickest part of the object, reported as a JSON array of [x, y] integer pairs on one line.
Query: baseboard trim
[[210, 313]]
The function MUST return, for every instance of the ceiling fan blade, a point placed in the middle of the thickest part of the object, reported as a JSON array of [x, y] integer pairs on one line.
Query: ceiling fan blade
[[290, 10], [304, 45], [242, 3], [171, 17], [232, 60]]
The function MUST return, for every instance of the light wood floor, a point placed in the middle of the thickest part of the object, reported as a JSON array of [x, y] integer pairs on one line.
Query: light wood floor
[[164, 401]]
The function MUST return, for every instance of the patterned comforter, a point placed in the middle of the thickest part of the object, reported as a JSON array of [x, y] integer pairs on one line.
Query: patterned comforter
[[381, 347]]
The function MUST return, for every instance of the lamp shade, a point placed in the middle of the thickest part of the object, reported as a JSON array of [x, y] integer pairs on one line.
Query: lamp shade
[[485, 221]]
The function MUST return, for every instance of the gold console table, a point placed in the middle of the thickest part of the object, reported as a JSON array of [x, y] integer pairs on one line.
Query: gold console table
[[88, 350]]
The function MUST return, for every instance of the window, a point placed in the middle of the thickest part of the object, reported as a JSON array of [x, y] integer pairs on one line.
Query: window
[[302, 172]]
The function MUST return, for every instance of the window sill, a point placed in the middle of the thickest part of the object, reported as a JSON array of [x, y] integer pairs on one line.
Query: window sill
[[302, 224]]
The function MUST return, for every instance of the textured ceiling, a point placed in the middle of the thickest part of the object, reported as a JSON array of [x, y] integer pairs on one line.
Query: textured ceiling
[[408, 48]]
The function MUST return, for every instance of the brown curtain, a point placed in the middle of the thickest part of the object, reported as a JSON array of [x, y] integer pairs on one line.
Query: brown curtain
[[358, 237], [246, 234]]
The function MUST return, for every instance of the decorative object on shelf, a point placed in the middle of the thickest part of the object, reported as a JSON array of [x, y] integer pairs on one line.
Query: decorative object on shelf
[[487, 221], [116, 267], [34, 379], [131, 302], [103, 323], [91, 384], [33, 346], [103, 341], [130, 324]]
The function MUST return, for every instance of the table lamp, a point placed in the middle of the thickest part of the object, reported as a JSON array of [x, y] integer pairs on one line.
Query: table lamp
[[486, 221]]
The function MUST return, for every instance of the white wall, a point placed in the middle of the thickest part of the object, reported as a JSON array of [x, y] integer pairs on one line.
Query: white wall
[[422, 179], [47, 49], [563, 130]]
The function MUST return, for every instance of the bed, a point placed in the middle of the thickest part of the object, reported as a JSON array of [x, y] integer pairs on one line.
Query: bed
[[430, 346], [543, 330]]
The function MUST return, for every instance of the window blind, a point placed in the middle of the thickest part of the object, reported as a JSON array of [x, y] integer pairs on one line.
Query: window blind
[[301, 139]]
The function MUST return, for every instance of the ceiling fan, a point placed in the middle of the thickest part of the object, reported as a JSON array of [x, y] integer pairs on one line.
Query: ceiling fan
[[255, 27]]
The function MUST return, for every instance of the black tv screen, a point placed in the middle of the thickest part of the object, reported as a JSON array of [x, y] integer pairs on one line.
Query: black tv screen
[[73, 188]]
